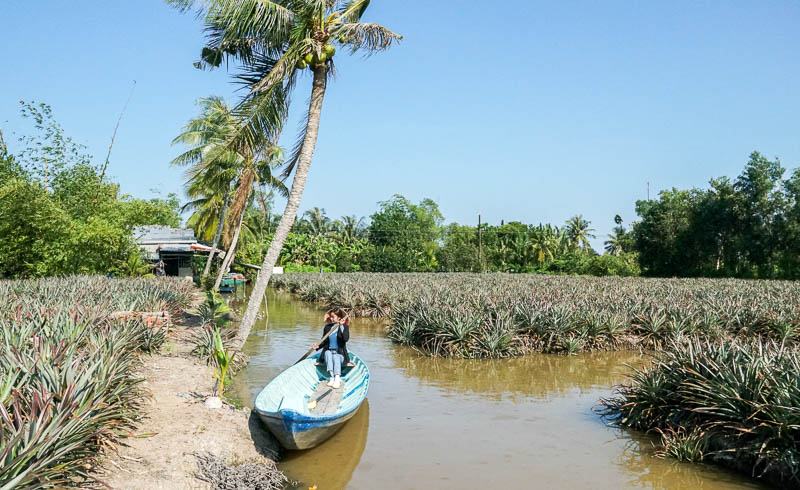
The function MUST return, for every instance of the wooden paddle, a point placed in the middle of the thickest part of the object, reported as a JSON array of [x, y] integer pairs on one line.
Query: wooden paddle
[[313, 403]]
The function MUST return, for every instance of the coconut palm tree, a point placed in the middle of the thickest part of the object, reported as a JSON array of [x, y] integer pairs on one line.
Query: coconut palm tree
[[614, 244], [221, 177], [579, 233], [316, 222], [275, 41], [212, 166], [544, 242], [255, 170], [350, 227]]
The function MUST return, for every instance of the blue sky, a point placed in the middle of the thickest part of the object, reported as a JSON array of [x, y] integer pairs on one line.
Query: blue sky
[[520, 110]]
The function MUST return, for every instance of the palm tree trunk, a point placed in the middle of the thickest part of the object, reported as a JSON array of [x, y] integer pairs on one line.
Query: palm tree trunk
[[226, 264], [217, 236], [292, 203]]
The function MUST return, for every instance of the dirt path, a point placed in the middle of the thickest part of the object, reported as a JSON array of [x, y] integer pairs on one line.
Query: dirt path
[[178, 425]]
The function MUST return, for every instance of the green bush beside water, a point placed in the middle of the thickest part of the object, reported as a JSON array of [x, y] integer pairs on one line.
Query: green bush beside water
[[730, 403], [67, 381]]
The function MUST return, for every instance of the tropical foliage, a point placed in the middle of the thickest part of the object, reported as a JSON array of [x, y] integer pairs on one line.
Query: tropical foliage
[[212, 342], [402, 236], [60, 215], [498, 315], [748, 227], [222, 179], [68, 386]]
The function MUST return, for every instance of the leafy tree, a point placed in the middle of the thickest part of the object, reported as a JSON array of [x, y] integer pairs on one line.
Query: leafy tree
[[789, 258], [760, 187], [59, 216], [459, 249], [403, 236], [623, 264], [47, 150], [154, 211], [660, 235], [98, 246], [743, 228], [35, 231]]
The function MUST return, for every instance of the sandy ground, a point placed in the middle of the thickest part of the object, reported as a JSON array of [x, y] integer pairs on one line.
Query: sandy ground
[[178, 425]]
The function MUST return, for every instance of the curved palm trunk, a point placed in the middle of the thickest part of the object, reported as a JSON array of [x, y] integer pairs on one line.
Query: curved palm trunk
[[292, 204], [226, 264], [238, 205], [217, 237]]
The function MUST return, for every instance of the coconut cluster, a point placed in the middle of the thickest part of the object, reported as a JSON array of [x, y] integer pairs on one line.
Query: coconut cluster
[[312, 59]]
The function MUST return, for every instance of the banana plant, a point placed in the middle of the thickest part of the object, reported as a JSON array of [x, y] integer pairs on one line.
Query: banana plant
[[223, 358]]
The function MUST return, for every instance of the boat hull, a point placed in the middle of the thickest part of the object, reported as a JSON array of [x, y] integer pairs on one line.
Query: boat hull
[[285, 409], [294, 431]]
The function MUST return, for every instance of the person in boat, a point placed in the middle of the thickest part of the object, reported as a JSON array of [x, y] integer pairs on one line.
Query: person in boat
[[328, 319], [334, 348]]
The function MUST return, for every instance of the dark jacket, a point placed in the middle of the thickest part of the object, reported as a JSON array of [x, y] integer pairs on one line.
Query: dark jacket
[[342, 337]]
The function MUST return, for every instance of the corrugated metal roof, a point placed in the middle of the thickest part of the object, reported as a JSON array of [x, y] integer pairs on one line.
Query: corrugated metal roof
[[163, 234]]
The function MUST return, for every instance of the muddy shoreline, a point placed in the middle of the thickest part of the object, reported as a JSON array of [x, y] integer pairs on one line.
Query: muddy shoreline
[[178, 426]]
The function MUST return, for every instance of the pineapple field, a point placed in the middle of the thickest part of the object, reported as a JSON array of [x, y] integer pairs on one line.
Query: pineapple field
[[503, 315], [68, 383]]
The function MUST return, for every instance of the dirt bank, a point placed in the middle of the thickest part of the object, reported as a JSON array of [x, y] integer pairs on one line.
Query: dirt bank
[[162, 453]]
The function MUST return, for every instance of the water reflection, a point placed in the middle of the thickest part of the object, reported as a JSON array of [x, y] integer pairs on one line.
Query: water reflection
[[532, 376], [647, 471], [332, 464], [439, 423]]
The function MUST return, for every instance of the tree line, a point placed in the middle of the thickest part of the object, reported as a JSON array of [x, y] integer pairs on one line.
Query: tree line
[[403, 236], [748, 227]]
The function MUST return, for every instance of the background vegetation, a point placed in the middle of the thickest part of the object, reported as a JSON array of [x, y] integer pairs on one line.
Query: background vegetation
[[402, 236], [60, 214], [748, 227]]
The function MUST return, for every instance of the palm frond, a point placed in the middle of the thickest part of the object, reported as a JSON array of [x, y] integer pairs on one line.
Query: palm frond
[[367, 36], [352, 11], [265, 20]]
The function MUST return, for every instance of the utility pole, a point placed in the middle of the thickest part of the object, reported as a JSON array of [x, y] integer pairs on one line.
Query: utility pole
[[648, 190], [480, 244]]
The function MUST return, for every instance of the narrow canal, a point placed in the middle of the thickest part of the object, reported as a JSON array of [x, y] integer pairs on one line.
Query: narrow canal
[[436, 423]]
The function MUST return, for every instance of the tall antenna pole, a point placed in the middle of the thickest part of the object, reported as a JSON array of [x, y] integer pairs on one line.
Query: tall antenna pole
[[480, 244], [648, 190], [114, 134]]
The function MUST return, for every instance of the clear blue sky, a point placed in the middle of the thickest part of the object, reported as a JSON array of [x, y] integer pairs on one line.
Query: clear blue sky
[[534, 111]]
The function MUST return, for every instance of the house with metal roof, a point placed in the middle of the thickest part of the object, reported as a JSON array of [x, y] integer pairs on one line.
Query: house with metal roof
[[175, 246]]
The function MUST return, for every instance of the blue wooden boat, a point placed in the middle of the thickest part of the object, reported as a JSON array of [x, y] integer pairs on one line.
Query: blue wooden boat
[[302, 411], [228, 284]]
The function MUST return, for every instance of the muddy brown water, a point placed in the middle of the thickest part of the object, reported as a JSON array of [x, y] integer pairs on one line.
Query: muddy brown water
[[441, 423]]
